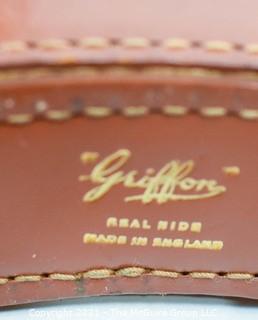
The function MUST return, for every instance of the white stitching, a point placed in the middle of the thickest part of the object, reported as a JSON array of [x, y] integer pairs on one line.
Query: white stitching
[[130, 42], [130, 111]]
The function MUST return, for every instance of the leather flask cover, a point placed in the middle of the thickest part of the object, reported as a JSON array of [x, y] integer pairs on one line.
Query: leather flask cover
[[128, 149]]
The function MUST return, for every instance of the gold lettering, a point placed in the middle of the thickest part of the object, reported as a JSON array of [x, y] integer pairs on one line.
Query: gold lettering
[[135, 224], [162, 225], [196, 227], [178, 243], [139, 241], [183, 226], [167, 242], [217, 245], [157, 242], [173, 225], [179, 226], [111, 222], [145, 224], [187, 244], [104, 239], [204, 244], [124, 223], [171, 183]]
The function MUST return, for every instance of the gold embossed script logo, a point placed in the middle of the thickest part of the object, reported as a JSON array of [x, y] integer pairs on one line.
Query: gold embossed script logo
[[172, 182]]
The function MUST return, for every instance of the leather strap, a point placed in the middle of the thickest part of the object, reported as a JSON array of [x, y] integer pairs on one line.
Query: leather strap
[[150, 31], [79, 218]]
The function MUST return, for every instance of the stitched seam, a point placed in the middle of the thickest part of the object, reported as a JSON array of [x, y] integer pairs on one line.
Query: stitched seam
[[127, 43], [43, 111], [129, 272], [130, 112], [30, 73]]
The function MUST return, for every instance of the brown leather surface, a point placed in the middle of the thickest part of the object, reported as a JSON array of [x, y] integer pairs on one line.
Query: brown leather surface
[[196, 21], [43, 217], [74, 90], [121, 76], [50, 71]]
